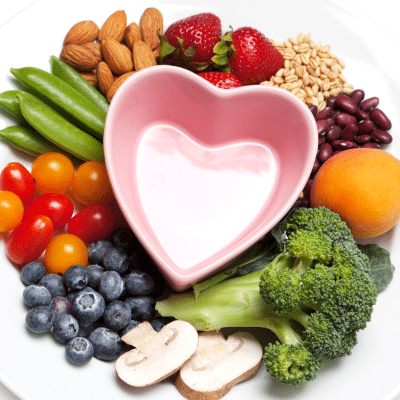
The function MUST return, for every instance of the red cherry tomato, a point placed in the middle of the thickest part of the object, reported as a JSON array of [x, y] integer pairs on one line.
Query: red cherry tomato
[[17, 179], [58, 207], [94, 222], [29, 240]]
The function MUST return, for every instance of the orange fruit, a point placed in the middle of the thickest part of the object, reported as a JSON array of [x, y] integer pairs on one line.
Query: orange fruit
[[363, 187]]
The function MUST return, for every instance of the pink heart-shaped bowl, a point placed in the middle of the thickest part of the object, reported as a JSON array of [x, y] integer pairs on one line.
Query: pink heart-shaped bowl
[[202, 173]]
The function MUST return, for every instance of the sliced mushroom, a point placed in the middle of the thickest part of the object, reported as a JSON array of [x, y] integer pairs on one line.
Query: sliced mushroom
[[218, 364], [156, 355]]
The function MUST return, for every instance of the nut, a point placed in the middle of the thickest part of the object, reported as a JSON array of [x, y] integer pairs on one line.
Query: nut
[[90, 77], [117, 83], [105, 77], [151, 23], [143, 56], [114, 26], [78, 57], [132, 34], [95, 48], [81, 33], [117, 56]]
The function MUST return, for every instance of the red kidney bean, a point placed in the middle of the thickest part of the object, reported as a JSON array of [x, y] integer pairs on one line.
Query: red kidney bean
[[365, 127], [380, 118], [381, 136], [307, 188], [362, 139], [303, 202], [315, 167], [371, 145], [361, 115], [321, 140], [330, 101], [314, 110], [344, 144], [324, 114], [322, 126], [333, 133], [357, 96], [325, 151], [366, 105], [349, 131], [343, 119], [346, 104]]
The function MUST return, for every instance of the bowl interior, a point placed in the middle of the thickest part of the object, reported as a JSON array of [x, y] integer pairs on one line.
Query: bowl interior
[[165, 121]]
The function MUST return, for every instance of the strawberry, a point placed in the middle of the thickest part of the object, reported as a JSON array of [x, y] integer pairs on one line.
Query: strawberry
[[221, 79], [249, 55], [189, 42]]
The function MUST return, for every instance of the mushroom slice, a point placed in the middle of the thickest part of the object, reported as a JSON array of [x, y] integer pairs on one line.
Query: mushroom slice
[[156, 355], [218, 364]]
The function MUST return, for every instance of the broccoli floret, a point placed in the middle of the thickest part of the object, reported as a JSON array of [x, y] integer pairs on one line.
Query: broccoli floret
[[315, 295]]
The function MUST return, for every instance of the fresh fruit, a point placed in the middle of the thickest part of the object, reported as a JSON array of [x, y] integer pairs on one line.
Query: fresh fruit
[[32, 272], [221, 79], [17, 179], [189, 42], [64, 251], [40, 319], [249, 55], [53, 173], [97, 250], [29, 240], [106, 343], [363, 187], [36, 295], [65, 328], [60, 305], [76, 277], [79, 351], [88, 306], [111, 285], [54, 283], [11, 211], [117, 315]]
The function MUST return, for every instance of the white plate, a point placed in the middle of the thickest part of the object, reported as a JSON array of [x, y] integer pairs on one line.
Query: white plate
[[33, 366]]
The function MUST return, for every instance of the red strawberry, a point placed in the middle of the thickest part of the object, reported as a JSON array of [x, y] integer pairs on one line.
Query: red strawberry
[[223, 80], [189, 42], [249, 55]]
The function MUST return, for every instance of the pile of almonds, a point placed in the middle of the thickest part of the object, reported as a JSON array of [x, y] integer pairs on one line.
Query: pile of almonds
[[108, 55]]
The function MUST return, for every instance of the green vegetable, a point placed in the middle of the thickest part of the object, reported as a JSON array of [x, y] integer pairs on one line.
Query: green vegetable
[[315, 295], [54, 127], [9, 102], [27, 140], [69, 75], [63, 97]]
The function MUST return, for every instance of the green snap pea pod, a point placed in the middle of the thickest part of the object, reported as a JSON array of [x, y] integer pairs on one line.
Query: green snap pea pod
[[9, 102], [54, 127], [63, 97], [27, 140], [73, 78]]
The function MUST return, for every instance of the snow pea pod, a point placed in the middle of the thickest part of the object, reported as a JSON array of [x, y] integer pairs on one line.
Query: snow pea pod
[[54, 127], [69, 75], [63, 97], [9, 102], [27, 140]]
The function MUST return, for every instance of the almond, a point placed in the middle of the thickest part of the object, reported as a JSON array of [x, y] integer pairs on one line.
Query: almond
[[143, 56], [117, 83], [90, 77], [78, 57], [105, 77], [114, 26], [132, 34], [117, 56], [151, 23], [81, 33], [95, 48]]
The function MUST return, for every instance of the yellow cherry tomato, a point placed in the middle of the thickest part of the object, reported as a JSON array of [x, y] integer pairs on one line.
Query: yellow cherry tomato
[[91, 184], [11, 211], [64, 251], [53, 173]]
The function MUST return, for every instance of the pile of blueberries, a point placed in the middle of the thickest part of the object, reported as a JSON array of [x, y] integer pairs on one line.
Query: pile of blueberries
[[90, 308]]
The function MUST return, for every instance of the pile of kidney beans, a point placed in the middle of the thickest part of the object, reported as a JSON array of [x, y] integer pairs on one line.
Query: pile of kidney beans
[[347, 122]]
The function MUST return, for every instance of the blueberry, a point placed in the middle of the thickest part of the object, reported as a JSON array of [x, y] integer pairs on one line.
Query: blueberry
[[76, 277], [40, 319], [125, 239], [36, 295], [65, 328], [95, 270], [139, 283], [60, 305], [32, 272], [142, 307], [88, 306], [159, 322], [117, 315], [106, 343], [85, 329], [79, 350], [132, 324], [97, 251], [111, 285], [117, 260], [55, 284]]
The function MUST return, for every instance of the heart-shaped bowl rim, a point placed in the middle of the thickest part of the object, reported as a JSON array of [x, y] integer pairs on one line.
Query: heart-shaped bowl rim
[[179, 278]]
